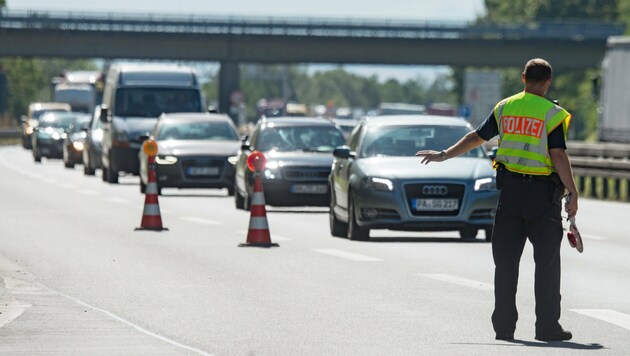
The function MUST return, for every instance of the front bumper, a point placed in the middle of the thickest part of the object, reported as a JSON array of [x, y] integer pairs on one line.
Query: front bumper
[[395, 210], [50, 148], [196, 172]]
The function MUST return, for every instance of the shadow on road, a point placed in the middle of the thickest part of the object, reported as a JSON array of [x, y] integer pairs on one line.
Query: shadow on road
[[271, 210], [543, 345], [426, 239]]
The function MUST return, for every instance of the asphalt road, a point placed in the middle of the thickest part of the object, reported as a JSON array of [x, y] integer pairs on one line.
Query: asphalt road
[[75, 278]]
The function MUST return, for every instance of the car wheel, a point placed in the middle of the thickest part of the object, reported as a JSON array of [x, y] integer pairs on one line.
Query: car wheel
[[489, 234], [230, 191], [239, 200], [112, 175], [337, 227], [68, 164], [88, 170], [468, 233], [143, 187], [355, 232], [36, 156], [159, 189]]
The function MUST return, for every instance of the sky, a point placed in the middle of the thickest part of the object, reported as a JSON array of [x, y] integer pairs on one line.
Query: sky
[[420, 10]]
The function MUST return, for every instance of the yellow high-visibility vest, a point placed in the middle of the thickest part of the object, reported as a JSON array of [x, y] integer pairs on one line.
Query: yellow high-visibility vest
[[524, 121]]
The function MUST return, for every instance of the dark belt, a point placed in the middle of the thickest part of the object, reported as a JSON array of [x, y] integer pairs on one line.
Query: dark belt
[[553, 177]]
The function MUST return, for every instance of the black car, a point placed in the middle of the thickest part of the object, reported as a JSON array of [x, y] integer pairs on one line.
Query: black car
[[194, 151], [74, 141], [47, 139], [93, 144], [299, 156]]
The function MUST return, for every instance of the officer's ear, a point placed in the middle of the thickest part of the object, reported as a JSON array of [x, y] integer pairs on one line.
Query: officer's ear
[[523, 78]]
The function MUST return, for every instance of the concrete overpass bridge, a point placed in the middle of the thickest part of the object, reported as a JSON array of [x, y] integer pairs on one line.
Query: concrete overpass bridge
[[234, 40]]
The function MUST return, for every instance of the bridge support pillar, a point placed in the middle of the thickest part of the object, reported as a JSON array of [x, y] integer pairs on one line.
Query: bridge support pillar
[[229, 80]]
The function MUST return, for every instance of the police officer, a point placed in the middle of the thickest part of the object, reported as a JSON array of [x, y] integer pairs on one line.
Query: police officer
[[533, 171]]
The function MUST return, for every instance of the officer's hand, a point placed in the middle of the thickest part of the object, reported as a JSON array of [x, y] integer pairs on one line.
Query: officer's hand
[[571, 205], [430, 156]]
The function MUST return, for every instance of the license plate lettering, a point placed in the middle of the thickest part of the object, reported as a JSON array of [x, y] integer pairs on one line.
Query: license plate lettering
[[436, 204], [308, 189], [203, 171]]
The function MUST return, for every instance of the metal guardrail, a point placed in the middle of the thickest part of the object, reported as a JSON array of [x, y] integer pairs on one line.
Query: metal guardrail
[[300, 26], [11, 132], [602, 170]]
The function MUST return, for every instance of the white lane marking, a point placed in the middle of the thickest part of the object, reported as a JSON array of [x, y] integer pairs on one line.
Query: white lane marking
[[346, 255], [273, 236], [10, 310], [459, 281], [607, 315], [594, 237], [197, 220], [66, 186], [89, 192], [118, 200], [49, 180], [135, 326]]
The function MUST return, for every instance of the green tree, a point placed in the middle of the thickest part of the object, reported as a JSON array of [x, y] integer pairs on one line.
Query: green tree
[[572, 88], [28, 79]]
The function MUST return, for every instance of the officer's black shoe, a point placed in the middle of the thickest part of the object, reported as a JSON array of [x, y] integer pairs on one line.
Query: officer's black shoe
[[506, 336], [561, 335]]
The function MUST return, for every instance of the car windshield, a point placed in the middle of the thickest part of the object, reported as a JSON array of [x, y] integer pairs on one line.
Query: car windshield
[[407, 140], [151, 102], [56, 121], [36, 115], [300, 138], [81, 122], [201, 130]]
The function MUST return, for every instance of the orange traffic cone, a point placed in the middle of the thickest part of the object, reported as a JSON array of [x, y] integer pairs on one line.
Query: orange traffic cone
[[151, 219], [258, 234]]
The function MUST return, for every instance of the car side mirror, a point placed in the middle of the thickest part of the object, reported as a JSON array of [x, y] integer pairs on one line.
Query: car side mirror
[[85, 129], [342, 152], [246, 146], [104, 114], [23, 119], [492, 154], [212, 109]]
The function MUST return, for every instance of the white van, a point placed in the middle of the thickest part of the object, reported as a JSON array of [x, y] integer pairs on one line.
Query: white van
[[134, 97]]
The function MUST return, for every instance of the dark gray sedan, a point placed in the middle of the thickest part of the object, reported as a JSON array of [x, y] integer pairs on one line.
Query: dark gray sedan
[[299, 156], [195, 150], [377, 183]]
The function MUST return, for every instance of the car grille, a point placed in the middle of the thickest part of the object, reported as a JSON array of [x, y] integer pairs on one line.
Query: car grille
[[306, 173], [190, 164], [416, 191]]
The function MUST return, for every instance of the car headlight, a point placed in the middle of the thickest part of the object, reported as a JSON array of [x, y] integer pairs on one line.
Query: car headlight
[[485, 184], [165, 159], [29, 130], [232, 160], [376, 183], [272, 170], [78, 145]]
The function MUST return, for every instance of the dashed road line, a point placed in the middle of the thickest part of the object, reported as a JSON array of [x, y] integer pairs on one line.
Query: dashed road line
[[459, 281], [607, 315], [89, 192], [66, 186], [198, 220], [346, 255], [594, 237]]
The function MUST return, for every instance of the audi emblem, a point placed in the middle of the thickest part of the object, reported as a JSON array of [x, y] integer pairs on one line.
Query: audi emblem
[[434, 190]]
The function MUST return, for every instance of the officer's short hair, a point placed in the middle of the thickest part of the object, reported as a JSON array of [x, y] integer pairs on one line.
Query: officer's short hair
[[537, 70]]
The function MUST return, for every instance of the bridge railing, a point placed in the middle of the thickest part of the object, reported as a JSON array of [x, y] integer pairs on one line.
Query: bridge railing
[[304, 26]]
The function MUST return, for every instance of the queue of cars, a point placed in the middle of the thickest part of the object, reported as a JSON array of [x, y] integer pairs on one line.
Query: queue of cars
[[364, 170]]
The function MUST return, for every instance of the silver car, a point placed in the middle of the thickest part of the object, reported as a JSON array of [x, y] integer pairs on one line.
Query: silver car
[[376, 182]]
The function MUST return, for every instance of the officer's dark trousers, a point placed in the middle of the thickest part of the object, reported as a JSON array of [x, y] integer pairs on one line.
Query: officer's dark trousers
[[528, 209]]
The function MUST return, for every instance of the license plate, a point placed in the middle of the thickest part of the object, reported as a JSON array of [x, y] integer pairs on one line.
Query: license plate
[[309, 188], [436, 204], [203, 171]]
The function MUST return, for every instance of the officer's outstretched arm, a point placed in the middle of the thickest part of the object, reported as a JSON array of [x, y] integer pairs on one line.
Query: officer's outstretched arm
[[465, 144], [562, 165]]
